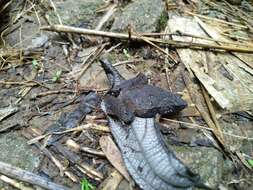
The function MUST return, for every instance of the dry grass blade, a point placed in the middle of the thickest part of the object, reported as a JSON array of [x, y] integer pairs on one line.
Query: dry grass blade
[[196, 126]]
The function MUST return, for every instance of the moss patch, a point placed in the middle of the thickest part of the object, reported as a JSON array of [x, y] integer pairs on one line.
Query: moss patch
[[162, 22]]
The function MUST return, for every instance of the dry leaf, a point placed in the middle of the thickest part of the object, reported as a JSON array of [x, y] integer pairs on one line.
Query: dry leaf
[[112, 182], [113, 154]]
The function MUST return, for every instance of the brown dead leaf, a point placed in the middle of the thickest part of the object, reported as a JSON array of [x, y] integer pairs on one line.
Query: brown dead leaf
[[113, 154]]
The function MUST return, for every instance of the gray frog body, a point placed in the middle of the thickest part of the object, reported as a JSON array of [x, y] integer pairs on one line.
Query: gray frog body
[[148, 160]]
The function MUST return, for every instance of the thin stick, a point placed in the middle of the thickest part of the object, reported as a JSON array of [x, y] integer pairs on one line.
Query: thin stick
[[106, 17], [72, 144], [79, 128], [59, 165], [79, 163], [127, 62], [55, 11], [211, 110], [174, 43], [87, 65], [14, 183], [52, 92], [157, 47], [193, 92], [63, 170], [246, 44], [28, 83], [29, 177]]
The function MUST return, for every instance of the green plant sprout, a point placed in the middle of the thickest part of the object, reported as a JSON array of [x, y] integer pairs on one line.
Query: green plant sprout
[[86, 185], [250, 162], [35, 64], [57, 76], [126, 53]]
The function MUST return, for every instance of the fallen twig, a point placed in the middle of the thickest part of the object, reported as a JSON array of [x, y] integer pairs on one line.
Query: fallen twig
[[98, 51], [106, 17], [59, 165], [154, 45], [79, 163], [72, 144], [14, 183], [128, 62], [29, 83], [193, 92], [52, 92], [29, 177], [79, 128], [63, 170], [212, 112], [174, 43], [246, 44]]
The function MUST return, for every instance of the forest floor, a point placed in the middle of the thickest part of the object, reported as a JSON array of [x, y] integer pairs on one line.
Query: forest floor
[[199, 49]]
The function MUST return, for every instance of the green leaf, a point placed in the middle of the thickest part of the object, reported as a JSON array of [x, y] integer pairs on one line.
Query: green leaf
[[250, 162]]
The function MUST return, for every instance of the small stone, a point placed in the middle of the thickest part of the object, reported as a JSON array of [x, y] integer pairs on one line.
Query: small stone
[[16, 151], [206, 161], [78, 12], [39, 41], [143, 15]]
